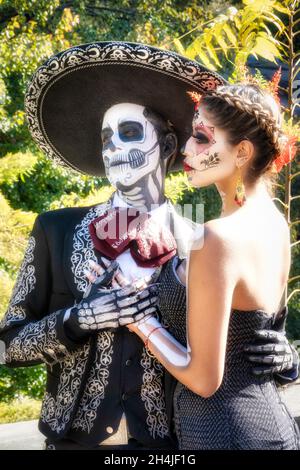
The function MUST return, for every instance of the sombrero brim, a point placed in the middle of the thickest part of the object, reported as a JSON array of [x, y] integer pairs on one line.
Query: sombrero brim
[[68, 96]]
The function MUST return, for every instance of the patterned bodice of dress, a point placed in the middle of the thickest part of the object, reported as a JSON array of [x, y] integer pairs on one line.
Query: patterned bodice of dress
[[246, 412]]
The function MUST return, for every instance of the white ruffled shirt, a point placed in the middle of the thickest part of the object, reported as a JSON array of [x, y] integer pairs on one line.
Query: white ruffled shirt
[[127, 264]]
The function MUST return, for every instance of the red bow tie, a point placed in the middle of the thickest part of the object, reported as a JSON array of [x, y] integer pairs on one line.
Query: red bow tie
[[117, 229]]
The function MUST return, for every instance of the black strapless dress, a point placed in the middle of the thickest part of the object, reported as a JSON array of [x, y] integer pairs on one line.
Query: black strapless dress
[[246, 412]]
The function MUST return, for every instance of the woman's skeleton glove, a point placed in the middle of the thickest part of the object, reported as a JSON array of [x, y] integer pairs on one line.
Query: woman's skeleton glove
[[273, 354]]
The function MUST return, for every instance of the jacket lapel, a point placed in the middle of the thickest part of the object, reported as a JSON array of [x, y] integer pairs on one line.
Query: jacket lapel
[[79, 249]]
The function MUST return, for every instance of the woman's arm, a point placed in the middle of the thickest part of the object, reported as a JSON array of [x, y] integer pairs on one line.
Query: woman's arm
[[211, 282]]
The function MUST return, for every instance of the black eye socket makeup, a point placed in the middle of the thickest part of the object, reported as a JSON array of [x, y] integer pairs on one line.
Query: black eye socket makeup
[[204, 134], [131, 131], [106, 135], [201, 138]]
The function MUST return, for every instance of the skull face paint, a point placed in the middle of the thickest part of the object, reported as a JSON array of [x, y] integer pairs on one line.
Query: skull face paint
[[209, 156], [131, 147]]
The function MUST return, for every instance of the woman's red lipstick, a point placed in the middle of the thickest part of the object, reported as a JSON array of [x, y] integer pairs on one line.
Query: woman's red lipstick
[[187, 167]]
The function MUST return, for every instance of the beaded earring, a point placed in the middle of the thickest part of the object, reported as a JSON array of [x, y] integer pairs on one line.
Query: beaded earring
[[240, 195]]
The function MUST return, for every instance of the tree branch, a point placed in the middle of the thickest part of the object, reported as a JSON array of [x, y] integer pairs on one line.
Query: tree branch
[[294, 175], [294, 278], [281, 202], [295, 222], [295, 291]]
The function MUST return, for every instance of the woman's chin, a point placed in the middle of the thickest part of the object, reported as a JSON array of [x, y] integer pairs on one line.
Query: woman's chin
[[198, 181]]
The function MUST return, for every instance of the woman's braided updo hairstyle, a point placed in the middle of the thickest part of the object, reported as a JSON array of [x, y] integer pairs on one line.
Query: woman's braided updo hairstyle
[[247, 112]]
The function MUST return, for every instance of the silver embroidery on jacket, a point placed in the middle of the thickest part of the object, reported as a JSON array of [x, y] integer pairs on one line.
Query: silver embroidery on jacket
[[25, 283], [37, 340], [152, 392], [153, 396], [96, 383], [83, 246], [14, 313], [98, 378], [56, 411]]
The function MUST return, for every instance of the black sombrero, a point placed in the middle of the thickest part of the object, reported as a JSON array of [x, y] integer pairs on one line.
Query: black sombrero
[[69, 94]]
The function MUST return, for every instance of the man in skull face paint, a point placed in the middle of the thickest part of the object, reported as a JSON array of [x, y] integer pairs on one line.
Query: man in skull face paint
[[137, 146], [104, 389]]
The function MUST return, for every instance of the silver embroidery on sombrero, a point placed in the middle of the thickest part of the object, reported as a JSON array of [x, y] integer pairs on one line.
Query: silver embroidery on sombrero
[[95, 388], [153, 396], [56, 411], [113, 53], [25, 283]]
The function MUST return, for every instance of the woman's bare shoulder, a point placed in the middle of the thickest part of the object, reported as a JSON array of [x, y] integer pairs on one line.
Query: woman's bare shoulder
[[217, 243], [219, 232], [215, 264]]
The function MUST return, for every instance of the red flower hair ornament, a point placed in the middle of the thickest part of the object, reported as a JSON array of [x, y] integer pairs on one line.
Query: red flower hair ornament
[[287, 154]]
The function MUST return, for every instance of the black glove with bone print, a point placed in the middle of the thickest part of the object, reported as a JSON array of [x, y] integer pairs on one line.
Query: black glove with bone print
[[105, 308]]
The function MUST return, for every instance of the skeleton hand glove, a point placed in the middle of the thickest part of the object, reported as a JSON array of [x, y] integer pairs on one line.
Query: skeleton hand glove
[[274, 354], [103, 280], [110, 309]]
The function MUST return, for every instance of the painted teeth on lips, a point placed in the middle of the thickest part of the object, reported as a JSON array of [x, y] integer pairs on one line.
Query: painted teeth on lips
[[118, 162]]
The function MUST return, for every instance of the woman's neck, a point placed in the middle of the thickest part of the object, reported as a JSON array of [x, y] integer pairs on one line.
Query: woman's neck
[[253, 193]]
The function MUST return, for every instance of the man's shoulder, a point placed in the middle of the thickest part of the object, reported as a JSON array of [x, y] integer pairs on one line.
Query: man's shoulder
[[67, 217]]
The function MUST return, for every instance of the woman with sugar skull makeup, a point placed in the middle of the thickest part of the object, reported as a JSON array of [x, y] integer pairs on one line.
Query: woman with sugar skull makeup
[[235, 281], [86, 274]]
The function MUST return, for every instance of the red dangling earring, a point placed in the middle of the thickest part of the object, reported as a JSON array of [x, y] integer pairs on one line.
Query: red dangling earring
[[240, 195]]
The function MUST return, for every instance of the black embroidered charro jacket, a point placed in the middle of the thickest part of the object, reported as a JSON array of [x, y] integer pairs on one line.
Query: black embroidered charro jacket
[[89, 385]]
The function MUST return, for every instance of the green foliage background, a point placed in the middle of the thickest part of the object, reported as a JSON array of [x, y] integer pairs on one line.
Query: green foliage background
[[31, 31]]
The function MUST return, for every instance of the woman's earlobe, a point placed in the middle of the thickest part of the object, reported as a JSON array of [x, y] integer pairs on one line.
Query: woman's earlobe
[[242, 158], [245, 153]]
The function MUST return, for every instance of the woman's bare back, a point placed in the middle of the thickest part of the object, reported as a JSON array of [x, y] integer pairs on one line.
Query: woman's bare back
[[261, 248]]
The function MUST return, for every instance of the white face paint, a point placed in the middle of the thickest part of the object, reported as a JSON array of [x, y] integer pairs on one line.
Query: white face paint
[[130, 144]]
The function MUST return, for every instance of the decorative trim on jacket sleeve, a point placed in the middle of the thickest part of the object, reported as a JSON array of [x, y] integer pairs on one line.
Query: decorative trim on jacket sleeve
[[153, 396], [31, 335], [39, 341], [25, 283]]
